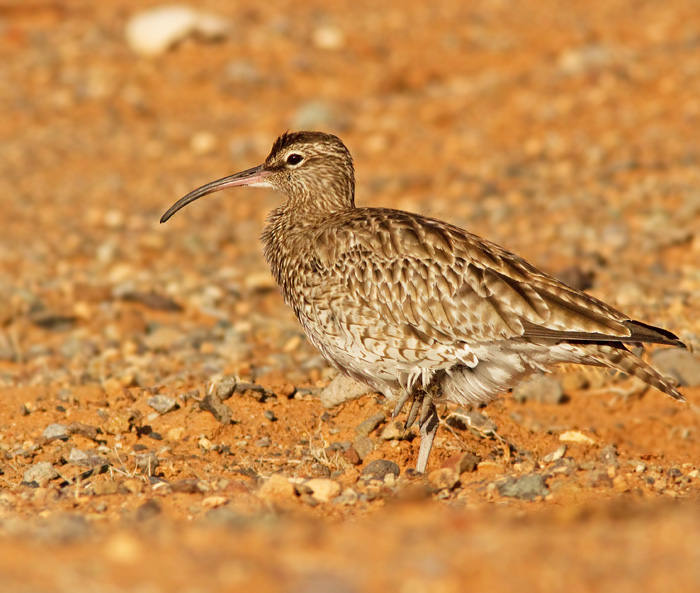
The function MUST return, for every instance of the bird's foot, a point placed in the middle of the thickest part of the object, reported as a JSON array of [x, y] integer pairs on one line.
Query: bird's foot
[[420, 402], [400, 404]]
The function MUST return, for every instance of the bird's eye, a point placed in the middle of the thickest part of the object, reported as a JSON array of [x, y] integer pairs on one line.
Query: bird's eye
[[294, 159]]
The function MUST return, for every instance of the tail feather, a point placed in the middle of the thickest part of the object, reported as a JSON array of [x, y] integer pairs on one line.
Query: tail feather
[[617, 357]]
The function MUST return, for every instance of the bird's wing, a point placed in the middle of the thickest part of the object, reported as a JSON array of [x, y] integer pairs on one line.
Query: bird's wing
[[436, 281]]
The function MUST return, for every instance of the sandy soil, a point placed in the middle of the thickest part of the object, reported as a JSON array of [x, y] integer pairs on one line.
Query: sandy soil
[[567, 132]]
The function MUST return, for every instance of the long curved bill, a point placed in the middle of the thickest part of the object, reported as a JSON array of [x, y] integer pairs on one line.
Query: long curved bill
[[255, 176]]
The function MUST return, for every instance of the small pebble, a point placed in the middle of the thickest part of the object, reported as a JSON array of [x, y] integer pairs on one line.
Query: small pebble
[[147, 462], [370, 424], [393, 431], [352, 456], [41, 473], [680, 364], [342, 389], [56, 431], [162, 403], [84, 430], [226, 388], [555, 455], [329, 38], [363, 445], [323, 490], [380, 468], [277, 488], [575, 436], [212, 403], [463, 419], [105, 488], [463, 462], [445, 478], [154, 31], [609, 456], [526, 487], [540, 389], [148, 510]]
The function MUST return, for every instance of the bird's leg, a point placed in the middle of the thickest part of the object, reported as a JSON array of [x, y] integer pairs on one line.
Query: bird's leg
[[428, 423]]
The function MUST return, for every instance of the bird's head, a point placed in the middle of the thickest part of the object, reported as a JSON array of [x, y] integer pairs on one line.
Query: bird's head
[[313, 169]]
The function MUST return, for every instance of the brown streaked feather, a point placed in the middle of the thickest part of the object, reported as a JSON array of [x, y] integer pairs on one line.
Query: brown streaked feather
[[506, 296]]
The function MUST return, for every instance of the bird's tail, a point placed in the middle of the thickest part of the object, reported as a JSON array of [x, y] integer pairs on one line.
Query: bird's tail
[[617, 357]]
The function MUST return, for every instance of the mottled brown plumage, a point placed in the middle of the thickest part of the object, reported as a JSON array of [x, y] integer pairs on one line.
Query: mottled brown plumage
[[417, 308]]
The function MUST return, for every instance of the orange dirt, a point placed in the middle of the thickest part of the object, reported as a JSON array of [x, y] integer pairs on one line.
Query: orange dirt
[[567, 132]]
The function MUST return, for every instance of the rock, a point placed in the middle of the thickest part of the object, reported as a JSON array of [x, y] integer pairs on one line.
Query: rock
[[393, 431], [133, 485], [342, 389], [147, 462], [226, 517], [152, 300], [212, 502], [203, 142], [258, 392], [270, 415], [119, 422], [84, 430], [212, 404], [56, 431], [41, 473], [363, 445], [352, 456], [348, 497], [226, 388], [187, 486], [153, 32], [555, 455], [148, 510], [277, 488], [175, 434], [586, 58], [323, 490], [263, 442], [526, 487], [462, 419], [609, 456], [599, 478], [328, 37], [162, 403], [462, 462], [105, 488], [369, 425], [541, 389], [575, 436], [379, 468], [163, 338], [445, 478], [680, 364], [77, 457]]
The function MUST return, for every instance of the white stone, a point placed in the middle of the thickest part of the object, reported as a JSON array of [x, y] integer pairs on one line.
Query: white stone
[[153, 32], [575, 436]]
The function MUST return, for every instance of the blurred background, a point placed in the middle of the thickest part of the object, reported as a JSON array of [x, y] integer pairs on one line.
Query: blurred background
[[565, 131]]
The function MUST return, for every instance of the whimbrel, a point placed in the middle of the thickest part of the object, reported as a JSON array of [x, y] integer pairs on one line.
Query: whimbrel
[[418, 309]]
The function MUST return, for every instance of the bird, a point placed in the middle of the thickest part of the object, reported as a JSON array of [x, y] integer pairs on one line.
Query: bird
[[418, 309]]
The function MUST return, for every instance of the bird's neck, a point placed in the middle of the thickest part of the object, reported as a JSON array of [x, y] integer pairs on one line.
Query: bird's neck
[[283, 237]]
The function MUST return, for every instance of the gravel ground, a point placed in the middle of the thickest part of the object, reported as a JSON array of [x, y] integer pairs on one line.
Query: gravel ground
[[165, 425]]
